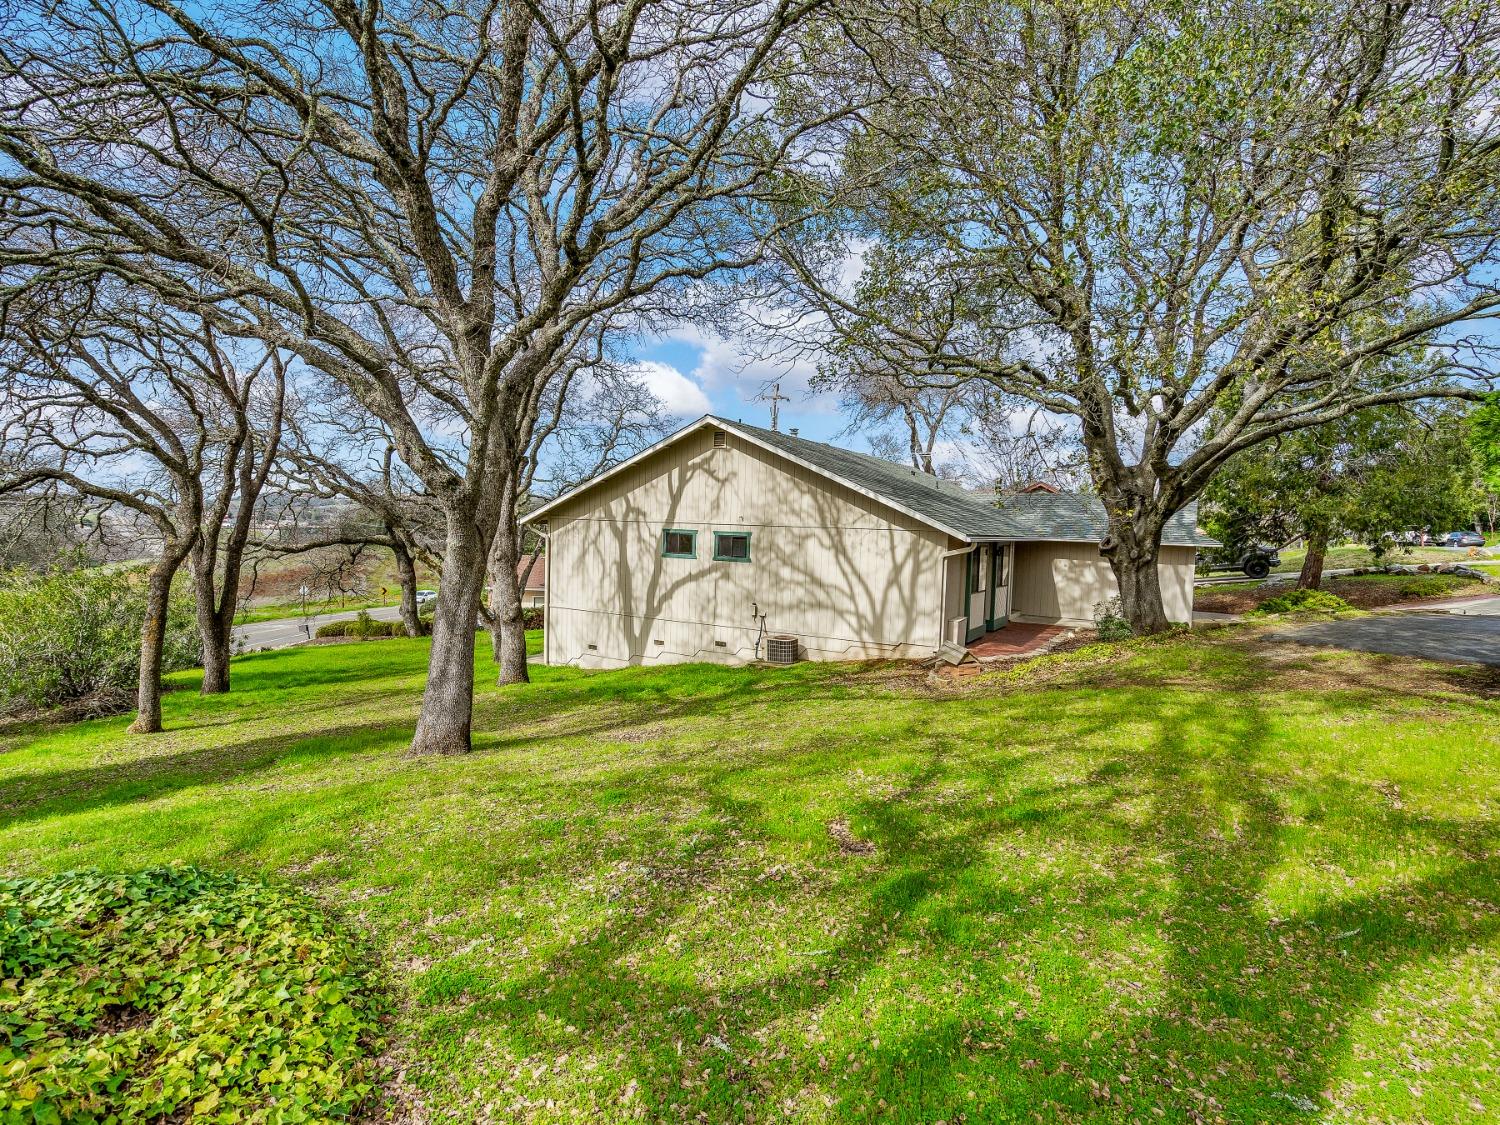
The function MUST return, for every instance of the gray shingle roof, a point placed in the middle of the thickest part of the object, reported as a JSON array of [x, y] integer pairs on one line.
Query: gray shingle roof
[[1033, 515], [1073, 515]]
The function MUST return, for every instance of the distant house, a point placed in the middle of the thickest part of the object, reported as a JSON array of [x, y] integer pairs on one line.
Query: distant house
[[722, 534], [533, 582]]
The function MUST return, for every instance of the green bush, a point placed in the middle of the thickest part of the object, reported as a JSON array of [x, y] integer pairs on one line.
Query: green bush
[[73, 634], [1301, 601], [533, 617], [363, 627], [174, 994], [1427, 586], [1110, 622]]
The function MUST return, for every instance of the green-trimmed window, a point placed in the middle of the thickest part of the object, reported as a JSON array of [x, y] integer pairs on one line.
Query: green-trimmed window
[[731, 546], [677, 544]]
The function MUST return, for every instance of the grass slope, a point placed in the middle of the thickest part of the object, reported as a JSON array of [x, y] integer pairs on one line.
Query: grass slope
[[1212, 879]]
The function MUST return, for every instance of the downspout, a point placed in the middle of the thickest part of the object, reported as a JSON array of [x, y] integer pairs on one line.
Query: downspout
[[943, 601], [546, 601]]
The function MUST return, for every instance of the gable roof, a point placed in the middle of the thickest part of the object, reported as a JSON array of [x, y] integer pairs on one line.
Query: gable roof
[[536, 579], [944, 505]]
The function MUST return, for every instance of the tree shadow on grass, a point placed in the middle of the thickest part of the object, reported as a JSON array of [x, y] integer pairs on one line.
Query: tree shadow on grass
[[1247, 1018], [1244, 1015], [1253, 1014], [36, 796], [700, 1037]]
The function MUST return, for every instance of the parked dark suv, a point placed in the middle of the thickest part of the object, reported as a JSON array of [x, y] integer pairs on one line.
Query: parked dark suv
[[1257, 561]]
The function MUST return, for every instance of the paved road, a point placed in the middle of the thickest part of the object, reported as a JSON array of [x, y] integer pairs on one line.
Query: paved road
[[1473, 607], [289, 631], [1456, 637]]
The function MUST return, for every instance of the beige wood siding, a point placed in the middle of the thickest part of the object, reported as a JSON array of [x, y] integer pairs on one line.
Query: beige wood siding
[[1177, 566], [849, 577], [1063, 582]]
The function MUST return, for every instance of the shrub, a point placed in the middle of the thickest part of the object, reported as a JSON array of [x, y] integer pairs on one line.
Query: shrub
[[1426, 586], [73, 634], [176, 993], [1301, 601], [1110, 622], [533, 617], [363, 627]]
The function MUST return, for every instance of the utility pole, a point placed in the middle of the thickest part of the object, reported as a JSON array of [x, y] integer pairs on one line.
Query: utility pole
[[775, 398]]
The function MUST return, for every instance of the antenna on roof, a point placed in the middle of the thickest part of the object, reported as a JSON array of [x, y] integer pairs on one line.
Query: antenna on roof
[[775, 398]]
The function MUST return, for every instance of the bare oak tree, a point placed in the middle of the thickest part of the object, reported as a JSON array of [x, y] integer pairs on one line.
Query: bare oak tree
[[1189, 228], [350, 457], [427, 202], [135, 405]]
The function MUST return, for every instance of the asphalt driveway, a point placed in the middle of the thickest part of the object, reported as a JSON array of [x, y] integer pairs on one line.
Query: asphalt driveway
[[1472, 638]]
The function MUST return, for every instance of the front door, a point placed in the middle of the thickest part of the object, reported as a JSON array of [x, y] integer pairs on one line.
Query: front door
[[979, 583], [999, 611]]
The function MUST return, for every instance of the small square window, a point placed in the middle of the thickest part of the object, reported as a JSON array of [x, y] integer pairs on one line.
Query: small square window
[[731, 546], [677, 544]]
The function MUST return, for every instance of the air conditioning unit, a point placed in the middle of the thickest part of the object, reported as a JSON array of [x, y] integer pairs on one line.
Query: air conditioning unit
[[781, 649]]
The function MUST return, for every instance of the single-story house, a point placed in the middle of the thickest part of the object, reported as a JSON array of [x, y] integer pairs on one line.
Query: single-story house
[[532, 577], [701, 546]]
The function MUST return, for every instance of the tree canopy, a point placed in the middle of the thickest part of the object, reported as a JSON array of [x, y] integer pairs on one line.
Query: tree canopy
[[1190, 228]]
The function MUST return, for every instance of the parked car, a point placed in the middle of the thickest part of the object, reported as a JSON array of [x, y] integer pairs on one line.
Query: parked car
[[426, 597], [1463, 539], [1415, 539], [1256, 561]]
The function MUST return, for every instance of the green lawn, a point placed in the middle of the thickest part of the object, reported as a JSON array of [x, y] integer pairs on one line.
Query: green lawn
[[1212, 879]]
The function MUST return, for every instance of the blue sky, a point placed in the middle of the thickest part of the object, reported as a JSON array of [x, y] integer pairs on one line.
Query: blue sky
[[695, 373]]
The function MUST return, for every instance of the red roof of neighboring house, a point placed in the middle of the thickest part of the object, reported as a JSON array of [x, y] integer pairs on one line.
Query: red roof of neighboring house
[[537, 579], [1039, 486]]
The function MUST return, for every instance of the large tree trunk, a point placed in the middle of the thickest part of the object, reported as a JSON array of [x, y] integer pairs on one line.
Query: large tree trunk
[[509, 630], [1133, 546], [153, 640], [1311, 577], [214, 628], [448, 703], [1137, 574], [406, 572], [217, 649]]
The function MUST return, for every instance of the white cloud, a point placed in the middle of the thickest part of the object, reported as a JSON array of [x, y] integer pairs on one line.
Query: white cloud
[[678, 393], [730, 365]]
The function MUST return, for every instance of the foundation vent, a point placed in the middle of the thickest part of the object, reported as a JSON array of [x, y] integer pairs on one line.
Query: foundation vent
[[721, 439], [781, 649]]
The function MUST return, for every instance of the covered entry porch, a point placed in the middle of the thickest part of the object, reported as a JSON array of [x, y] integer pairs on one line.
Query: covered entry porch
[[986, 601], [1015, 638]]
